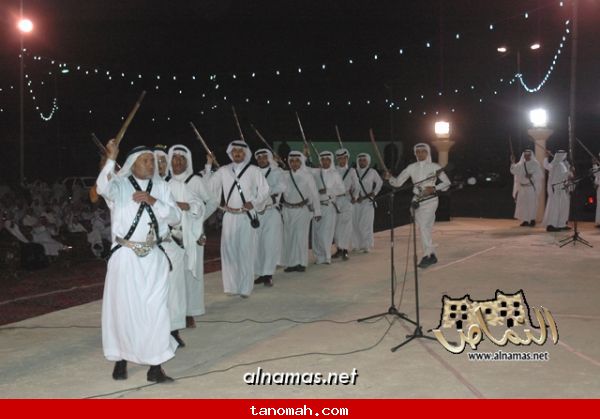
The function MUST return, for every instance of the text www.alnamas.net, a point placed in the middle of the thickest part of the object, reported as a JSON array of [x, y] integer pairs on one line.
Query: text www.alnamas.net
[[508, 356], [262, 378]]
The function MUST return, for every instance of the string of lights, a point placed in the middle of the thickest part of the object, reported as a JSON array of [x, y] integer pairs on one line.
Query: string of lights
[[406, 103], [520, 76]]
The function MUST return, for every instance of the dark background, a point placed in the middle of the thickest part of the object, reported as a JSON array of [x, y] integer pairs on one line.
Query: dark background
[[227, 37]]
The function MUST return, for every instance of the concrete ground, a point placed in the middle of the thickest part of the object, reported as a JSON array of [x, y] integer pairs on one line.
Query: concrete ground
[[60, 354]]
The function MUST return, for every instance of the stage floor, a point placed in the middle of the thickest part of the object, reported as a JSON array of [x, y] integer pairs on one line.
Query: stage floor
[[59, 355]]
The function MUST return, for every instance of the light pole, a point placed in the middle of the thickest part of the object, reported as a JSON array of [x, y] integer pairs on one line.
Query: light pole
[[25, 26], [505, 50], [442, 143], [540, 134]]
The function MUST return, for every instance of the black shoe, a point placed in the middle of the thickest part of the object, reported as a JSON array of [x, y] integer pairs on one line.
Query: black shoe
[[190, 322], [337, 254], [345, 255], [120, 370], [565, 228], [532, 223], [524, 224], [260, 279], [290, 269], [425, 262], [268, 281], [552, 228], [300, 268], [432, 259], [180, 342], [157, 375]]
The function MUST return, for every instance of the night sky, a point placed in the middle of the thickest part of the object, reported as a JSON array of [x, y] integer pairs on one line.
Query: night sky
[[232, 39]]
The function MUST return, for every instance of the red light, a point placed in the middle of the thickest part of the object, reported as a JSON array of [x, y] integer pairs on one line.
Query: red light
[[590, 200]]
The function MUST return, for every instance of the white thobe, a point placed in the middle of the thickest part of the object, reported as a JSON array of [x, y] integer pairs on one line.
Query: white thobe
[[135, 317], [296, 221], [527, 190], [269, 236], [425, 213], [202, 205], [344, 225], [558, 204], [330, 185], [41, 235], [364, 211], [238, 237]]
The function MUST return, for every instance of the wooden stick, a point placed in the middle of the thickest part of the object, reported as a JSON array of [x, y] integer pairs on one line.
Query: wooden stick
[[594, 158], [308, 143], [268, 146], [125, 125], [237, 123], [339, 137], [372, 136], [199, 137]]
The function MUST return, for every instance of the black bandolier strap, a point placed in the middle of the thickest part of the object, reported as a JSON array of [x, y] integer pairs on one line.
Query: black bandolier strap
[[136, 220], [362, 186], [346, 173], [296, 186], [239, 188], [190, 178]]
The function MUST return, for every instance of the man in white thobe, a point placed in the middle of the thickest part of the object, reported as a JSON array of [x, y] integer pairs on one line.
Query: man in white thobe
[[330, 187], [424, 175], [528, 177], [176, 297], [135, 316], [370, 184], [558, 204], [300, 203], [270, 232], [344, 221], [196, 204], [242, 187]]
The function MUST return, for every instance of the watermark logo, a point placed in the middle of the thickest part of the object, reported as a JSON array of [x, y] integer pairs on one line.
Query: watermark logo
[[504, 319]]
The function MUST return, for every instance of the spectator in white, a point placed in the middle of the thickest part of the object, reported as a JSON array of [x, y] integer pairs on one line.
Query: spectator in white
[[196, 204], [370, 184], [528, 180], [29, 219], [269, 235], [242, 187], [135, 316], [42, 234], [330, 187], [344, 221], [73, 223], [300, 202], [424, 173], [558, 204], [13, 228], [99, 234]]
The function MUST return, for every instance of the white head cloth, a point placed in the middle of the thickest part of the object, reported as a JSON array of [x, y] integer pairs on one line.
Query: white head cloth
[[244, 146], [343, 152], [158, 151], [426, 147], [180, 150], [132, 157], [298, 155], [266, 151]]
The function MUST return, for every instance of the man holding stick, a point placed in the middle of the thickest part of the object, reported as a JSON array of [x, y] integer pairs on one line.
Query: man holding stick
[[424, 174], [135, 317]]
